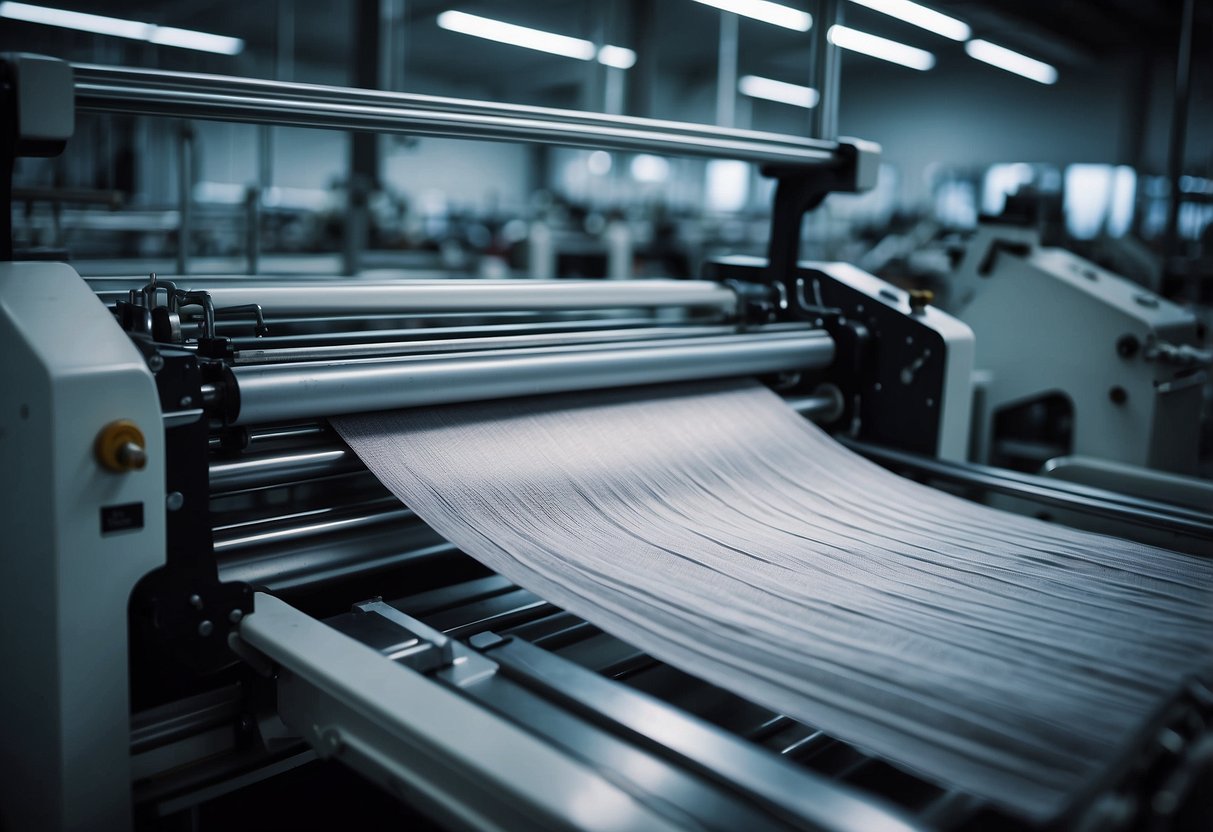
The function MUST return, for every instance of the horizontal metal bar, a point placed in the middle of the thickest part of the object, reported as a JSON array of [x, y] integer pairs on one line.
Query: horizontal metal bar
[[279, 469], [1093, 501], [364, 552], [357, 331], [229, 540], [415, 735], [332, 457], [794, 793], [449, 345], [220, 98], [417, 296], [299, 391]]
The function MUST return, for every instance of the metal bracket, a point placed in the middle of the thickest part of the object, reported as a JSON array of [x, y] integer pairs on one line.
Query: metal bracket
[[37, 117], [800, 190], [183, 604]]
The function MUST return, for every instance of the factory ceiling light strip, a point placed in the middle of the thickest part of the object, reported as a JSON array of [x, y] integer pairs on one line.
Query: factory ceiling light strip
[[1011, 61], [878, 47], [920, 16], [776, 14], [537, 39], [120, 28], [755, 86], [617, 56]]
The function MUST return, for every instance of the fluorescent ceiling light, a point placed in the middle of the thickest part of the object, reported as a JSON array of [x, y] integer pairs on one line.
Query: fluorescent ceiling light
[[920, 16], [617, 57], [883, 48], [119, 28], [524, 36], [756, 86], [201, 41], [766, 11], [537, 39], [652, 169], [1011, 61]]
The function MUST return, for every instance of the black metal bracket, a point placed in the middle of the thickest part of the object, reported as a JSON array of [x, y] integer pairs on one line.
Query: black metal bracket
[[37, 117], [182, 611], [800, 190]]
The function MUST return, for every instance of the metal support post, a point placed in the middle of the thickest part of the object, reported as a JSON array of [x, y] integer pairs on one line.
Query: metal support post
[[1179, 128], [827, 71], [726, 71], [185, 195]]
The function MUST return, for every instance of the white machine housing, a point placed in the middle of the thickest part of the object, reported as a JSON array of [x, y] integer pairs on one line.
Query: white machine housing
[[1051, 323], [64, 580]]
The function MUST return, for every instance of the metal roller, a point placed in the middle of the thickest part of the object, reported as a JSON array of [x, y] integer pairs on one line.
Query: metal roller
[[310, 390], [452, 345], [332, 458], [415, 297], [190, 95]]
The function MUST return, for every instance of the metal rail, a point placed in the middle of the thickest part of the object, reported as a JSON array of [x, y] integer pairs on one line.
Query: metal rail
[[436, 346], [1084, 499], [330, 457], [301, 391], [221, 98], [416, 296]]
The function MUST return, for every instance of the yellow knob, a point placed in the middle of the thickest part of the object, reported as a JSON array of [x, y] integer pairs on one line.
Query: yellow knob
[[920, 298], [120, 447]]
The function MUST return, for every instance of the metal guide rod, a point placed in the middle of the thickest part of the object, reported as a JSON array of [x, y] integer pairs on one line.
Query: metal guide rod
[[474, 296], [190, 95], [330, 458], [300, 391], [252, 355], [408, 731]]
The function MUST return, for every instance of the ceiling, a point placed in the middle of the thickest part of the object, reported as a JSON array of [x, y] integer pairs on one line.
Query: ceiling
[[679, 37]]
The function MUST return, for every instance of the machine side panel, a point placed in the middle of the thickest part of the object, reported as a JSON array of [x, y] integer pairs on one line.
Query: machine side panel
[[936, 355], [78, 537]]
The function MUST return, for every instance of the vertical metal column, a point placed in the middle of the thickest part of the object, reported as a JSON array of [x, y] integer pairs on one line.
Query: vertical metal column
[[827, 70], [726, 71], [642, 78], [364, 147], [185, 195], [1179, 128], [252, 227]]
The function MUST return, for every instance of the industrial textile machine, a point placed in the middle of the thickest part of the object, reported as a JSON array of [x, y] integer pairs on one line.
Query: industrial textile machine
[[205, 592]]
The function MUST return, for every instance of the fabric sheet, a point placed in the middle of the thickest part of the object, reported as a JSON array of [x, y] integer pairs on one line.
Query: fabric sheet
[[714, 528]]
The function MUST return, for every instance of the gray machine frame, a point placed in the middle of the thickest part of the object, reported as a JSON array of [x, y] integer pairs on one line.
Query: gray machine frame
[[466, 729]]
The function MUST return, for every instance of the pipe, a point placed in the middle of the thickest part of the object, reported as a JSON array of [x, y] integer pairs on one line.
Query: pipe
[[333, 458], [1179, 131], [827, 71], [412, 297], [259, 471], [264, 533], [185, 196], [451, 345], [190, 95], [300, 391]]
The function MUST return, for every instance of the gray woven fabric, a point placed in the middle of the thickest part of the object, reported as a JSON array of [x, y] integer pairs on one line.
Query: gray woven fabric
[[717, 530]]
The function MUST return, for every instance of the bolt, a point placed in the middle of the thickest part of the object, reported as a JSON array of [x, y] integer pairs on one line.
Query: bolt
[[1127, 346], [1118, 395], [155, 363], [235, 615], [186, 401], [174, 501], [920, 299], [205, 628], [196, 601]]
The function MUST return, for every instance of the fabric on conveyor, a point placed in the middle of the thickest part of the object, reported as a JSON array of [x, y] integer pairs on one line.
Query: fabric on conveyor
[[717, 530]]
